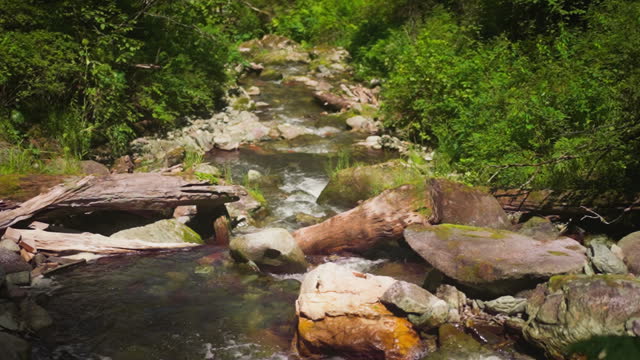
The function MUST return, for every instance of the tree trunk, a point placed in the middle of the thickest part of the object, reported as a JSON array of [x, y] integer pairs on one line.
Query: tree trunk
[[126, 192], [568, 203], [332, 101], [34, 240], [382, 218]]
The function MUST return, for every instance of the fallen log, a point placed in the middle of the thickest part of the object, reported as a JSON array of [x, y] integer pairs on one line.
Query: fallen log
[[382, 218], [568, 203], [125, 192], [64, 243], [332, 101]]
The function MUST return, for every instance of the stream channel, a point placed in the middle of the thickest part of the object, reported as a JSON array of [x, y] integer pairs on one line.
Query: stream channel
[[198, 304]]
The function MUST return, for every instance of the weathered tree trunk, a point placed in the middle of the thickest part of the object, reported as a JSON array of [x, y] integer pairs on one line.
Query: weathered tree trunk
[[568, 203], [332, 101], [382, 218], [34, 240], [127, 192]]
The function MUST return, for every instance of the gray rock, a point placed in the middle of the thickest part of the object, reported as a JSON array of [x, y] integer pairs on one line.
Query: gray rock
[[455, 299], [604, 260], [630, 246], [253, 91], [14, 348], [174, 156], [11, 262], [506, 305], [20, 278], [10, 317], [290, 132], [540, 228], [253, 175], [425, 310], [35, 316], [577, 307], [163, 231], [91, 167], [362, 124], [271, 249], [9, 245], [207, 169], [494, 262]]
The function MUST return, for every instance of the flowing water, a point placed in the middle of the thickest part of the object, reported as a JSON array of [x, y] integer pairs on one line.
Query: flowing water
[[199, 304]]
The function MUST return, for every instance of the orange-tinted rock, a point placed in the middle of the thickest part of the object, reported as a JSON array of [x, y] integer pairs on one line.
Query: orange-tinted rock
[[379, 337], [339, 312]]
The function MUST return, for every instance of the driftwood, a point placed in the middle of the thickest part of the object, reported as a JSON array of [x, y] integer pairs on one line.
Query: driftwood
[[382, 218], [332, 101], [126, 192], [576, 203], [35, 240]]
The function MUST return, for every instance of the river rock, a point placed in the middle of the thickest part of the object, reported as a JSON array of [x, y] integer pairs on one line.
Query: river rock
[[253, 175], [12, 263], [10, 318], [163, 231], [14, 348], [35, 316], [456, 203], [253, 91], [362, 124], [456, 344], [123, 165], [423, 308], [290, 132], [207, 169], [506, 305], [539, 228], [495, 262], [349, 186], [604, 261], [271, 249], [630, 246], [174, 156], [9, 245], [245, 210], [455, 299], [569, 309], [339, 311], [91, 167]]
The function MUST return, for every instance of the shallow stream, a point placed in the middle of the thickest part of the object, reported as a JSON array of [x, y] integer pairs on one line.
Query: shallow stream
[[199, 304]]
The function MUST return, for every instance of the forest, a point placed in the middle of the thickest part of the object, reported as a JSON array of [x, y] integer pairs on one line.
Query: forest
[[537, 93]]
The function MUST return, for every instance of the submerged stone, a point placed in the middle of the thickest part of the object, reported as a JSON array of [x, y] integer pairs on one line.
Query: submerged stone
[[14, 348]]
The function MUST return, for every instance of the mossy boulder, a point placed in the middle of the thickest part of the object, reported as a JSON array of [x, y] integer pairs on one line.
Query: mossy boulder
[[494, 262], [571, 309], [163, 231], [349, 186], [273, 250]]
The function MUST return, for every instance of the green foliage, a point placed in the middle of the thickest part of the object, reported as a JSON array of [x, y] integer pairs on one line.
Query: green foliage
[[90, 73], [192, 158], [532, 93], [211, 178], [340, 161]]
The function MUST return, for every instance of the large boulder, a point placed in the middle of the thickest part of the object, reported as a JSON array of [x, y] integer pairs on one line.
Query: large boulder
[[91, 167], [273, 250], [339, 311], [349, 186], [494, 262], [574, 308], [456, 203], [163, 231], [630, 246]]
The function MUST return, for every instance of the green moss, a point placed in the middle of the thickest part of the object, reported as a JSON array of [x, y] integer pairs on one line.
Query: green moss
[[614, 280], [190, 236], [9, 186], [557, 253], [468, 231]]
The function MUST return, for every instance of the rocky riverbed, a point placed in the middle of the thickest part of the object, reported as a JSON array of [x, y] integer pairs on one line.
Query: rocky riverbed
[[438, 271]]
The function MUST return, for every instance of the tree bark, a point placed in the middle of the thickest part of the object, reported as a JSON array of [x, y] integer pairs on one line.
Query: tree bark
[[332, 101], [382, 218], [568, 203], [126, 192], [34, 240]]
